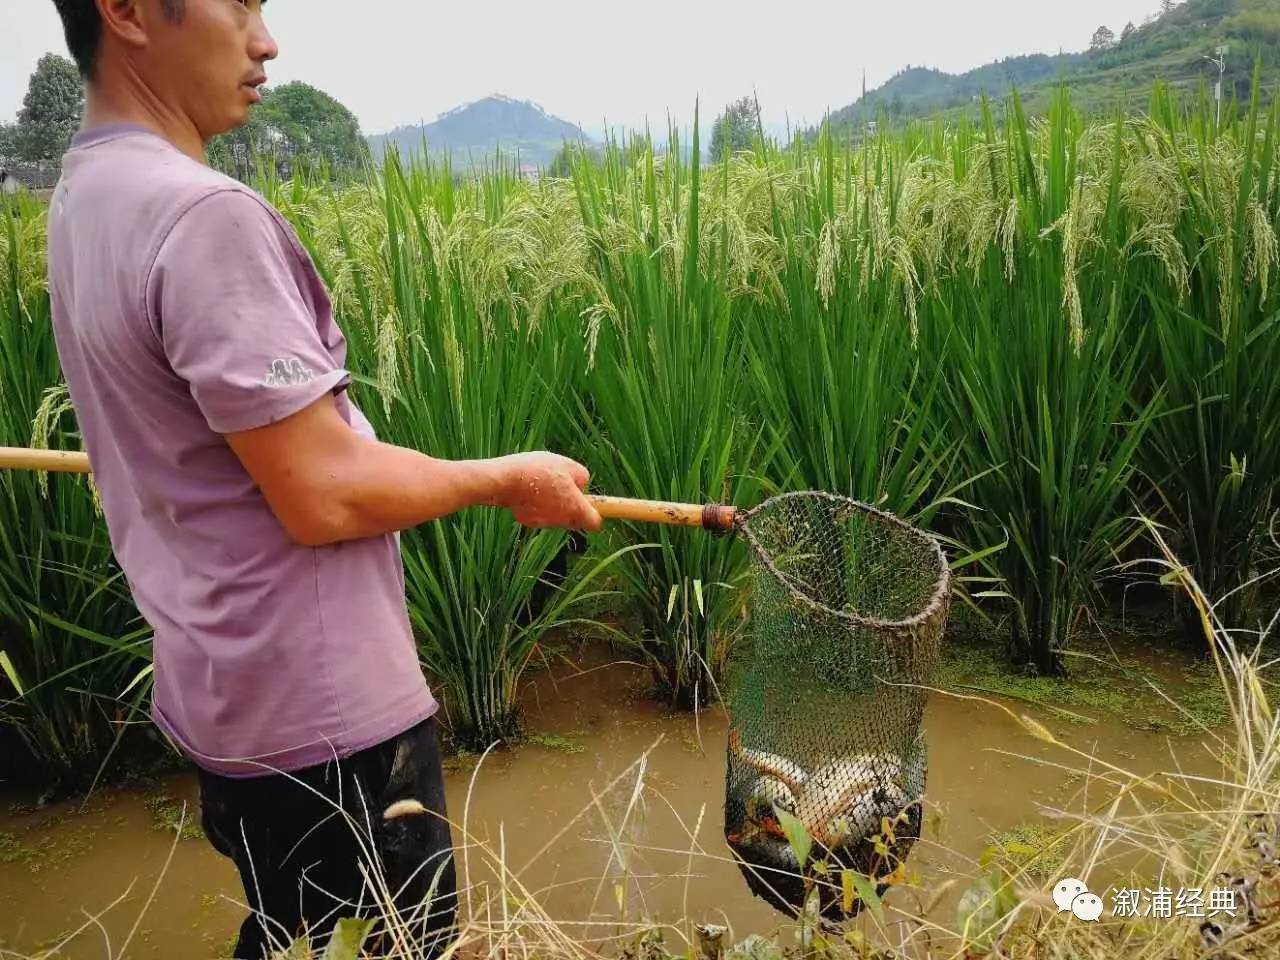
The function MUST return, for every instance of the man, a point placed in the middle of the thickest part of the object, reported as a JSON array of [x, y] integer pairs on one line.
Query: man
[[250, 506]]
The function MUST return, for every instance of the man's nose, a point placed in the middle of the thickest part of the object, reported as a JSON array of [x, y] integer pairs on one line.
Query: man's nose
[[262, 45]]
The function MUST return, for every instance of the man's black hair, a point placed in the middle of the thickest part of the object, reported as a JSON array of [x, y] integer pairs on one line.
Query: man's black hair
[[83, 28]]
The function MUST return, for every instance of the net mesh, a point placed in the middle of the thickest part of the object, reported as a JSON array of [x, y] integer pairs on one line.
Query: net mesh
[[848, 603]]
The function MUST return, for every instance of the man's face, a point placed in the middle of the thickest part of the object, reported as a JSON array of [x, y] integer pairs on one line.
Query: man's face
[[209, 61]]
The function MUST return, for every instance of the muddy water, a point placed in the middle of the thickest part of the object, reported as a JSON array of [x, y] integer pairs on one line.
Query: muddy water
[[617, 857]]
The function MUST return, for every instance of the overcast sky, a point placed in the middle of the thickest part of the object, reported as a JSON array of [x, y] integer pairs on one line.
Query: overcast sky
[[405, 61]]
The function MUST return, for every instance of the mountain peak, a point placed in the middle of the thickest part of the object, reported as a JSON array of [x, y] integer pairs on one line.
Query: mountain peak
[[476, 130], [495, 99]]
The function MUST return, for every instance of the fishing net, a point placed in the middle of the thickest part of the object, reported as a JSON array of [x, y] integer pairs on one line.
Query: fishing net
[[847, 612]]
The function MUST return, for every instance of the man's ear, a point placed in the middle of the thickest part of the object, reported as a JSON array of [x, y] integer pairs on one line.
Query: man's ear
[[125, 21]]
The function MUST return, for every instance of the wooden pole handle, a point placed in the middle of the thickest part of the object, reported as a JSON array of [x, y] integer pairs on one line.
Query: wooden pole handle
[[709, 517], [54, 461]]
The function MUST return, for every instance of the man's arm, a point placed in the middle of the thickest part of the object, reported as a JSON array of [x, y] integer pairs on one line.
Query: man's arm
[[326, 483], [231, 298]]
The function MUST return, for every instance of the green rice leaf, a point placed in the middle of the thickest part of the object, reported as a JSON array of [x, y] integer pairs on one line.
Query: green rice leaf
[[348, 937], [9, 671], [797, 835], [866, 892]]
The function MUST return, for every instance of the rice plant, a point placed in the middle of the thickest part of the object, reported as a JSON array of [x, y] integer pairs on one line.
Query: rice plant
[[1214, 456], [1029, 320], [661, 412], [838, 379]]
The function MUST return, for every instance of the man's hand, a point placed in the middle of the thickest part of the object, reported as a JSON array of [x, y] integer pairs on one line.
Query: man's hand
[[546, 490]]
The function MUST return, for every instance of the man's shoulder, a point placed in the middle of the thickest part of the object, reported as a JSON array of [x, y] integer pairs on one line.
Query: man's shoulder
[[157, 216], [226, 221], [135, 163], [219, 201], [144, 181], [197, 194]]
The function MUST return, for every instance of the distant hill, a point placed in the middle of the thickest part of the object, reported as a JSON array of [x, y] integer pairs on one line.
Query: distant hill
[[472, 133], [1170, 47]]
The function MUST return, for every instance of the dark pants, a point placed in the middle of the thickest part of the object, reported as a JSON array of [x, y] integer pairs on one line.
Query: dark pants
[[300, 858]]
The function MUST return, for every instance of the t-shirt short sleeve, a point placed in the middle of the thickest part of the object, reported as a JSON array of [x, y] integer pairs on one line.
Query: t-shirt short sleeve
[[232, 302]]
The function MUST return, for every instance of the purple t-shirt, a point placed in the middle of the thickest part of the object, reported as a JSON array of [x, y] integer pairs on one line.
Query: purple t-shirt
[[184, 309]]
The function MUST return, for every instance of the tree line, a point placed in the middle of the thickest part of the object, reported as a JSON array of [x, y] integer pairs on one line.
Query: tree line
[[295, 124]]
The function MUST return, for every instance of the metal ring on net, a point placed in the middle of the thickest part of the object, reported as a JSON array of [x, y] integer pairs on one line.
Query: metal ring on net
[[937, 602]]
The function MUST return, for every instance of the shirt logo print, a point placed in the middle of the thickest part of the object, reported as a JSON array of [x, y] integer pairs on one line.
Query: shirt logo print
[[287, 372]]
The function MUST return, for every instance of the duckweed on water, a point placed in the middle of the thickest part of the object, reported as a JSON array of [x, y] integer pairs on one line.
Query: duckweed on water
[[552, 741], [1110, 677], [1031, 849], [174, 816], [48, 851]]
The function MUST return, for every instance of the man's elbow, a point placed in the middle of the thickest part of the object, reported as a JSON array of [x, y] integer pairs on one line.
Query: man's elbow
[[316, 522], [312, 534]]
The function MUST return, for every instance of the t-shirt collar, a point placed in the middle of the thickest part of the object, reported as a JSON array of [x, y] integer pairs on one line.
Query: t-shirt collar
[[109, 131]]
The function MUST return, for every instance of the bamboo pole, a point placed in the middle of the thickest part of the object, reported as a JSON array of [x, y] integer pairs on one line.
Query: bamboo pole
[[611, 508], [53, 461]]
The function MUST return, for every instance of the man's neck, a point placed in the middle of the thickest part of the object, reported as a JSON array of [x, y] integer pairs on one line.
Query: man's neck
[[126, 99]]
